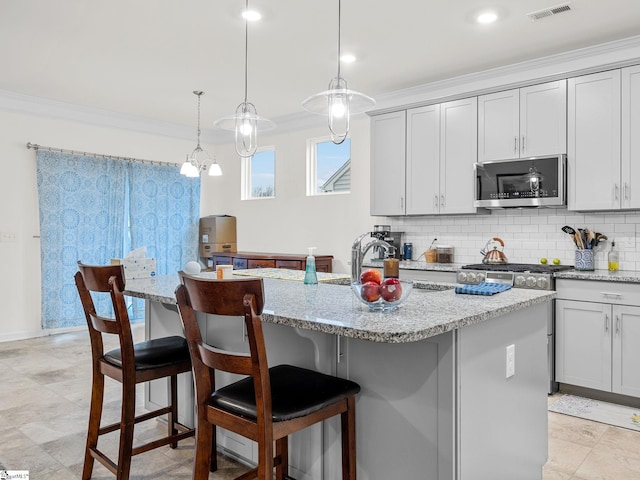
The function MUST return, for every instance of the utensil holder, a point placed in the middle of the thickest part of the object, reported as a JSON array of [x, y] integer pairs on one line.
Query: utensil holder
[[584, 260]]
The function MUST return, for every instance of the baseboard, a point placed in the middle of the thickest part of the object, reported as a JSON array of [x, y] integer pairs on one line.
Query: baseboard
[[617, 398]]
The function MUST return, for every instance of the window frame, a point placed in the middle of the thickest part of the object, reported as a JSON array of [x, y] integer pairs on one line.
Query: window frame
[[246, 188], [312, 167]]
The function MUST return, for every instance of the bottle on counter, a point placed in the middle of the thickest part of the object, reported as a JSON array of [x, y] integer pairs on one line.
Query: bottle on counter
[[310, 275], [613, 259], [391, 268]]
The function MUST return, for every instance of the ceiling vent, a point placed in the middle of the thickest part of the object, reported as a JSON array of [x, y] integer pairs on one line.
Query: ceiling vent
[[547, 12]]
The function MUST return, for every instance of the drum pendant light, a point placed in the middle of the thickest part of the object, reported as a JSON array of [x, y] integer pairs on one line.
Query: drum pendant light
[[192, 166], [338, 102], [245, 122]]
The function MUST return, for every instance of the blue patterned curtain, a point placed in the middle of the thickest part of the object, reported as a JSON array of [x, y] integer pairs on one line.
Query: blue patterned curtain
[[95, 209]]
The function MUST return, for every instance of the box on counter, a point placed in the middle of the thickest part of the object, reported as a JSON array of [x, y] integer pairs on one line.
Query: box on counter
[[136, 268], [217, 234]]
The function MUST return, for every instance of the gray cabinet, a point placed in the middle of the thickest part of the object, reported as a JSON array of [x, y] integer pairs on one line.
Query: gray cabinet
[[388, 143], [524, 122], [422, 160], [596, 341]]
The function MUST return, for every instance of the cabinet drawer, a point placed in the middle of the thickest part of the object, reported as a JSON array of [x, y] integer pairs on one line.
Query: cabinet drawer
[[221, 261], [239, 263], [614, 293], [261, 264], [289, 264]]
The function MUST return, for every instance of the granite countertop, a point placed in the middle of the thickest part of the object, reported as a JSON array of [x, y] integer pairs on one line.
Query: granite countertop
[[625, 276], [431, 309]]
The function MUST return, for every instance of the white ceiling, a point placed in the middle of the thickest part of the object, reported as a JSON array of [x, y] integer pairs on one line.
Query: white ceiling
[[145, 57]]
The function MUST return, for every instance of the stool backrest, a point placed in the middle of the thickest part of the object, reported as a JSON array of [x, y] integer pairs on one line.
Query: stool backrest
[[105, 279], [230, 297]]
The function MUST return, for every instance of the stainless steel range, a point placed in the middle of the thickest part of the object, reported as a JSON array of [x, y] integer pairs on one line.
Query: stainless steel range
[[521, 275]]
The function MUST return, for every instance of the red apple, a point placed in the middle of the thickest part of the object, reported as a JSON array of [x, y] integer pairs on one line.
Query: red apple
[[371, 275], [391, 289], [370, 291]]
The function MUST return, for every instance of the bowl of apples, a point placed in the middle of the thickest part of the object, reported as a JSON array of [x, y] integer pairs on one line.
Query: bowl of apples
[[380, 293]]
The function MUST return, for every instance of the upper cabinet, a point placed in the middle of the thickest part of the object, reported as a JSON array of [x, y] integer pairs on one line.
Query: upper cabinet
[[524, 122], [604, 111], [388, 147], [419, 158]]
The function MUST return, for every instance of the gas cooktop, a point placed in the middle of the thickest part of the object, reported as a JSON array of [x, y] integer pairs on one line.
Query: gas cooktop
[[518, 267]]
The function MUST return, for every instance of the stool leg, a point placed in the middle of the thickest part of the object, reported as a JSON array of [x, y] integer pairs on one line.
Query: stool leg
[[348, 427], [173, 414], [127, 422], [282, 452], [205, 450], [265, 457], [213, 463], [95, 414]]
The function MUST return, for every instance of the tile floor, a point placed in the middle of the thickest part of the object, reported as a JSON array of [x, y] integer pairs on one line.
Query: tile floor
[[43, 414]]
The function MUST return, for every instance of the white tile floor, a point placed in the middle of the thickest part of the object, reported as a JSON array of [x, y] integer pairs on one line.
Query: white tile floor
[[44, 403]]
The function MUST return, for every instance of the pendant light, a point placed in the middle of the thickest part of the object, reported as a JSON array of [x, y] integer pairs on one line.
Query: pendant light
[[246, 122], [338, 102], [192, 166]]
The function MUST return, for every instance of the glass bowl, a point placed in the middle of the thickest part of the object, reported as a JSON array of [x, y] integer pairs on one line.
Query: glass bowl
[[387, 296]]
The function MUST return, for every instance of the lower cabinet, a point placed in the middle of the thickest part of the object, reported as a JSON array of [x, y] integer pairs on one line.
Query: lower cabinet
[[596, 346]]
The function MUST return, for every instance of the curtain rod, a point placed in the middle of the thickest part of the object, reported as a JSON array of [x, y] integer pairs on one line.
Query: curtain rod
[[35, 146]]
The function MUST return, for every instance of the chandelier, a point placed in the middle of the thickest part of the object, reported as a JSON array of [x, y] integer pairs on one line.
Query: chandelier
[[193, 166]]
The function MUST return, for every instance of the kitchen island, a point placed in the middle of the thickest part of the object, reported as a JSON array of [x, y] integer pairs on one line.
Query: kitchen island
[[435, 400]]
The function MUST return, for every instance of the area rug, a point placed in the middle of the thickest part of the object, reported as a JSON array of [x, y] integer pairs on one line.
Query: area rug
[[603, 412]]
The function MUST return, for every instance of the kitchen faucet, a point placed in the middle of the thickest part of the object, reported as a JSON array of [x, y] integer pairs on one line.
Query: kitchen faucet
[[358, 252]]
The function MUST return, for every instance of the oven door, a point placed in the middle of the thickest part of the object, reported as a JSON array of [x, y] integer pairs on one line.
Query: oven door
[[523, 182]]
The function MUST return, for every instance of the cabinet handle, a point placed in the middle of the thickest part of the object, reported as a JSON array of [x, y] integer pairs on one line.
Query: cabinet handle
[[435, 201], [401, 202], [515, 144], [611, 294], [617, 324], [522, 143], [244, 332], [606, 323], [339, 353], [442, 200], [616, 191], [625, 190]]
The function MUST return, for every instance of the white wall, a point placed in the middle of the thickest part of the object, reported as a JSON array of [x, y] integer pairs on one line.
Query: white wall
[[20, 258], [292, 221]]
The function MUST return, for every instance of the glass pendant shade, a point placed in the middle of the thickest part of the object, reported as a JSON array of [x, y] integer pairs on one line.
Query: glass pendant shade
[[215, 170], [338, 103], [246, 123]]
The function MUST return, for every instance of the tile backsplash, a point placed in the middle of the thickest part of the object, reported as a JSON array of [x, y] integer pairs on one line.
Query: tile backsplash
[[529, 234]]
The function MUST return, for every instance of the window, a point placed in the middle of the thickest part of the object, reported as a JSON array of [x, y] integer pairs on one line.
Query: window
[[328, 167], [259, 175]]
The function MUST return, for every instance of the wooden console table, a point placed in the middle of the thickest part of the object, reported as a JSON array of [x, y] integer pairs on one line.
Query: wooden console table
[[242, 260]]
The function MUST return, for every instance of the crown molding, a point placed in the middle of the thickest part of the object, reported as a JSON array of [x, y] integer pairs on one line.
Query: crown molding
[[606, 56]]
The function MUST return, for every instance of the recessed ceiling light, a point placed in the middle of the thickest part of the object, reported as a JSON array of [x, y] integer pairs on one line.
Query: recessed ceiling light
[[348, 58], [251, 15], [487, 17]]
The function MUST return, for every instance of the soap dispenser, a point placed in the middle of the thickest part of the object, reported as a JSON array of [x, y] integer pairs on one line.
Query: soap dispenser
[[310, 276]]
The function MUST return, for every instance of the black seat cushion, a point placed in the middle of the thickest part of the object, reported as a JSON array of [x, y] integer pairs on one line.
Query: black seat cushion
[[295, 392], [156, 353]]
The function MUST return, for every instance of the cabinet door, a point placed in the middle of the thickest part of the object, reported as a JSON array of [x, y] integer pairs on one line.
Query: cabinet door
[[626, 354], [583, 344], [543, 119], [630, 137], [498, 125], [458, 147], [388, 149], [423, 159], [593, 159]]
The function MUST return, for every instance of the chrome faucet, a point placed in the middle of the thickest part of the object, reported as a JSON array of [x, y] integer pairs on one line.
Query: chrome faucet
[[358, 252]]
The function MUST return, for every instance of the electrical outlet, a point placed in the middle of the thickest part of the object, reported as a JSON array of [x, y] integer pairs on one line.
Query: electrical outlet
[[511, 361]]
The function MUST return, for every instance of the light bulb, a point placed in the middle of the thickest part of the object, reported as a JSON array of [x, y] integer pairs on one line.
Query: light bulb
[[337, 108], [246, 128]]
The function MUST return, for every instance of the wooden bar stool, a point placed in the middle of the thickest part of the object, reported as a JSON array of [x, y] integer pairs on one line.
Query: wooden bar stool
[[270, 403], [130, 364]]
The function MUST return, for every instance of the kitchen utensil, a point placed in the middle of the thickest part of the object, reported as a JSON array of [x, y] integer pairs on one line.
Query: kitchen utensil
[[494, 256], [578, 240], [591, 239], [568, 229]]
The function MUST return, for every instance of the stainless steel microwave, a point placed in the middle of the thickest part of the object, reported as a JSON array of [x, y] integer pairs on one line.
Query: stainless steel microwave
[[522, 182]]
